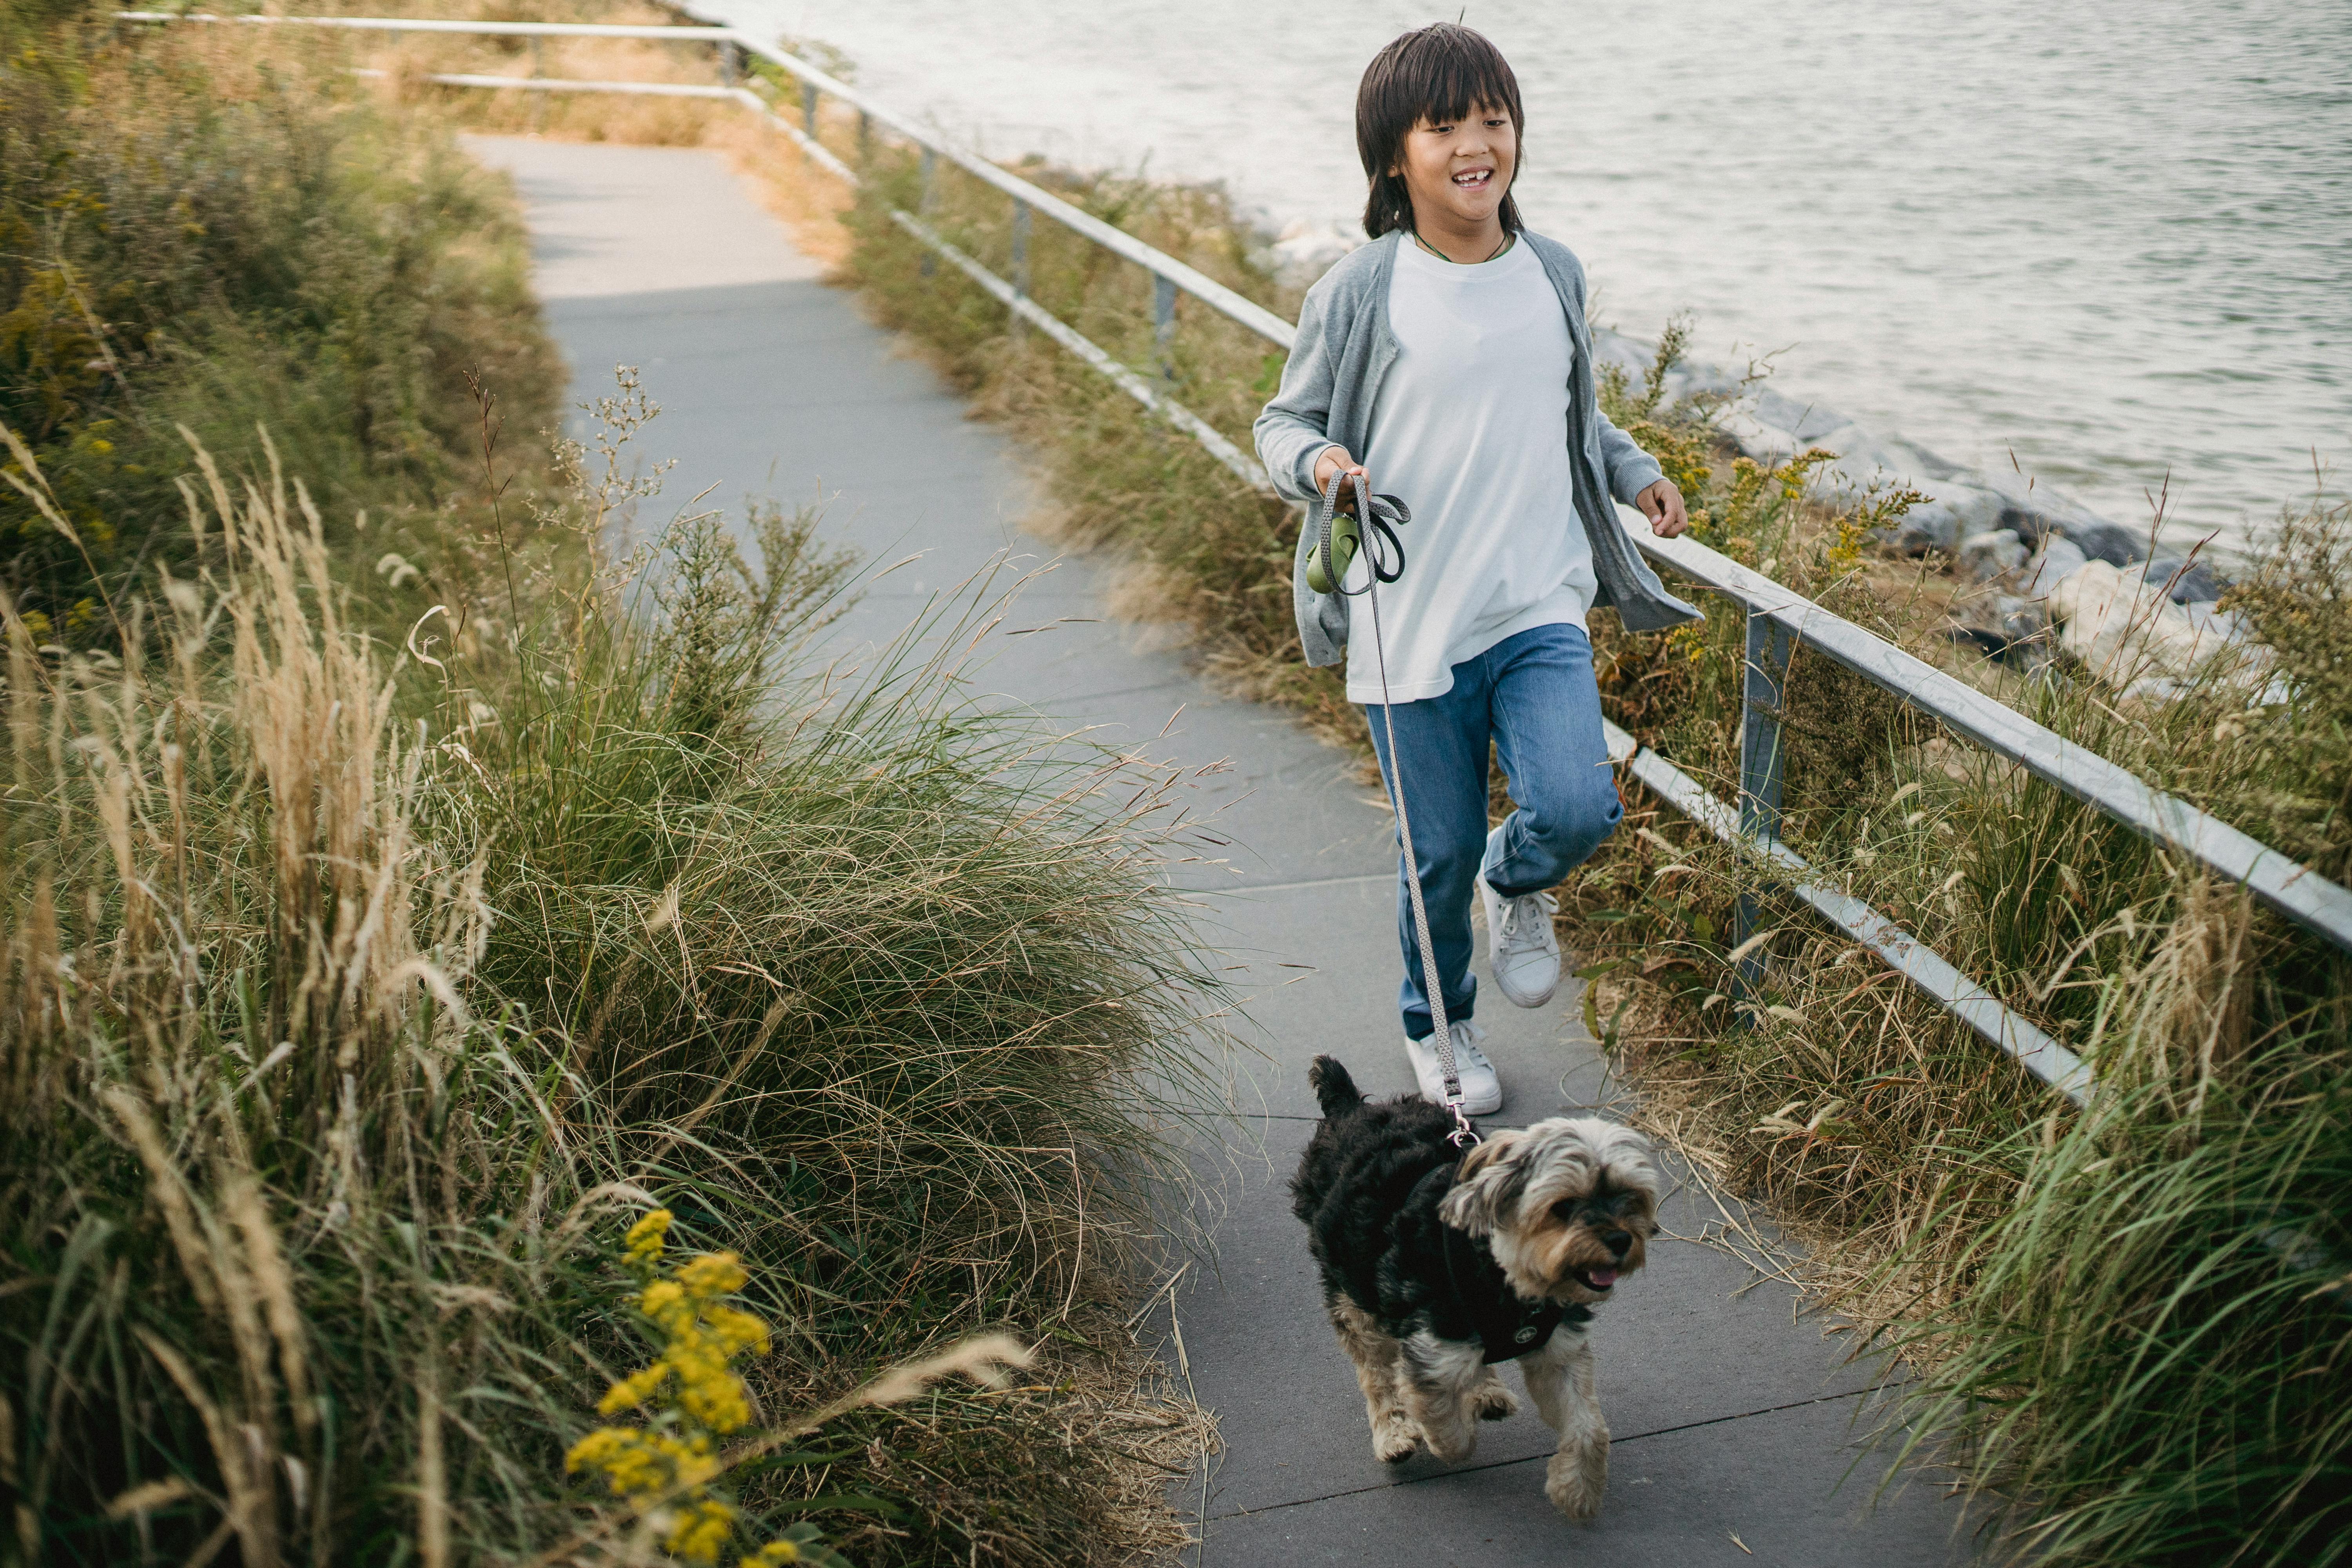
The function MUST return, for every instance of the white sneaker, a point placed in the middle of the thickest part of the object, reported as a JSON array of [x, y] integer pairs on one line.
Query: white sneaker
[[1522, 949], [1482, 1091]]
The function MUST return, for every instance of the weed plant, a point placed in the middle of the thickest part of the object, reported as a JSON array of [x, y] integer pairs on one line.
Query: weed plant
[[2151, 1348]]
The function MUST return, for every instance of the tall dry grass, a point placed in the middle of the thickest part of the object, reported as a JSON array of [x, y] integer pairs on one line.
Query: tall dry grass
[[350, 984], [269, 1235]]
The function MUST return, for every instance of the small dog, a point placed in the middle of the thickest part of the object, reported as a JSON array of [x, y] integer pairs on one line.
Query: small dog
[[1439, 1263]]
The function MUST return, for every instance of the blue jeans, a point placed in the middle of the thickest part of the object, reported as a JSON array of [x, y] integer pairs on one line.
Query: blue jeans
[[1533, 695]]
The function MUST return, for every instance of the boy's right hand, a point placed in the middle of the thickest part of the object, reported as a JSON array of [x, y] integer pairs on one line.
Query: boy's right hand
[[1335, 461]]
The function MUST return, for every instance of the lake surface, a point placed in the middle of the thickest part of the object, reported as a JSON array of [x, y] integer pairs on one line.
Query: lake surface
[[2112, 238]]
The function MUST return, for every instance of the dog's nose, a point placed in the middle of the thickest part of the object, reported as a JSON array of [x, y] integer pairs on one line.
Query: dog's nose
[[1617, 1241]]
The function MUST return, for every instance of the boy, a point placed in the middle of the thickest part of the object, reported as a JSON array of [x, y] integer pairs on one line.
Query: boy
[[1448, 362]]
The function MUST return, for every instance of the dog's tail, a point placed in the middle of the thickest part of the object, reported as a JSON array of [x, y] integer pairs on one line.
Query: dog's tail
[[1334, 1089]]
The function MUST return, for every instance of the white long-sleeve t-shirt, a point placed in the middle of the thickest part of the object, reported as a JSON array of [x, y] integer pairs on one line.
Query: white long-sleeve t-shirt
[[1471, 432]]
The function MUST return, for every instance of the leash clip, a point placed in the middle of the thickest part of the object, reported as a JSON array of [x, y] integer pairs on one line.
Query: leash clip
[[1463, 1135]]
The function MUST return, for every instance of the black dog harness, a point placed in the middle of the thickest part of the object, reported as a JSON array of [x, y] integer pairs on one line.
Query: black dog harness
[[1508, 1325]]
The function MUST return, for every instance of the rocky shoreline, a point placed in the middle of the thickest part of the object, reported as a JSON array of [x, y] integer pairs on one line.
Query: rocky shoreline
[[2054, 576]]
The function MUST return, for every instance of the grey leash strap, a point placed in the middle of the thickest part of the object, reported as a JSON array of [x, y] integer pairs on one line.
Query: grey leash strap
[[1374, 518]]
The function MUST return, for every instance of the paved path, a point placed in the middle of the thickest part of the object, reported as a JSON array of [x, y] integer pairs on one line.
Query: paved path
[[1734, 1424]]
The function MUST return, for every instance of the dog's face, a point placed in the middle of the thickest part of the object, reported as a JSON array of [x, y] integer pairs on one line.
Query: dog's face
[[1567, 1205]]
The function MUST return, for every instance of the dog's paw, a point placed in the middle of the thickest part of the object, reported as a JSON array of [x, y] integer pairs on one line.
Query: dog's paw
[[1395, 1440], [1493, 1402], [1576, 1480]]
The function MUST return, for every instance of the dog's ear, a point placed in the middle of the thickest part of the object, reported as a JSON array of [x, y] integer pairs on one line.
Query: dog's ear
[[1487, 1184]]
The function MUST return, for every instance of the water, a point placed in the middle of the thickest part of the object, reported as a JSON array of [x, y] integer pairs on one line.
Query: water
[[2110, 239]]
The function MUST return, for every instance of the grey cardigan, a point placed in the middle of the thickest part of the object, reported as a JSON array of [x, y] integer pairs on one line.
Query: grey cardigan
[[1344, 349]]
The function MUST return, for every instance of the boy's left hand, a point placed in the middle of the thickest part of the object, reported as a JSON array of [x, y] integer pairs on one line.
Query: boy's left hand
[[1662, 505]]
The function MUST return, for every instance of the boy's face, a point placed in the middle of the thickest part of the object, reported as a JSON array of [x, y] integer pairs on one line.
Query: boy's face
[[1457, 171]]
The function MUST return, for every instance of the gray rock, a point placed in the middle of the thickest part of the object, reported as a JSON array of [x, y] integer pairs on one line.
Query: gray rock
[[2022, 618], [2186, 581], [2106, 542], [1987, 556], [1765, 442], [2211, 620], [1950, 513], [2005, 627], [2059, 558], [1770, 427], [1814, 424], [1929, 526]]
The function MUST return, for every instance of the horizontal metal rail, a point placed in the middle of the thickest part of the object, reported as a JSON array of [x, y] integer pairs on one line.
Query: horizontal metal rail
[[1198, 284], [2276, 879], [1243, 466], [1174, 273], [1779, 615], [1134, 385], [653, 31], [1201, 287], [563, 84]]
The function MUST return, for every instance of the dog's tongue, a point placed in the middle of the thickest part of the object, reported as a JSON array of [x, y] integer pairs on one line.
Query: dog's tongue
[[1601, 1279]]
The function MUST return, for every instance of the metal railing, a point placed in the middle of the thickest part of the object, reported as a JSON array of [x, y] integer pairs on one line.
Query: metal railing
[[1779, 618]]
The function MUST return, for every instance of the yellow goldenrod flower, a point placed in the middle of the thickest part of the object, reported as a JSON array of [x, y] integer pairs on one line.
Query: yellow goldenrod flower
[[737, 1332], [645, 1239], [712, 1274], [635, 1389], [692, 1397], [701, 1528]]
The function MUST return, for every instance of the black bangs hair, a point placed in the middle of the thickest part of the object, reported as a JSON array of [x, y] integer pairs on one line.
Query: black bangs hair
[[1440, 73]]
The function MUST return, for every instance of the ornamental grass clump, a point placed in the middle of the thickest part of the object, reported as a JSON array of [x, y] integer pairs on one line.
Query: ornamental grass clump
[[2149, 1352], [290, 1246], [349, 980]]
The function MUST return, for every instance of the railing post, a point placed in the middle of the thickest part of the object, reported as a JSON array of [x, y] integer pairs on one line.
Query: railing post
[[808, 111], [1163, 323], [1766, 669], [929, 165], [730, 66], [865, 137], [1019, 257]]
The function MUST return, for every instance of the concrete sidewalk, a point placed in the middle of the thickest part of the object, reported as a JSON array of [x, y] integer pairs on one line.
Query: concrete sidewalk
[[1734, 1424]]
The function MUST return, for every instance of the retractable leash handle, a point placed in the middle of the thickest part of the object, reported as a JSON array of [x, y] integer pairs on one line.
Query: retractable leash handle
[[1338, 537], [1378, 518]]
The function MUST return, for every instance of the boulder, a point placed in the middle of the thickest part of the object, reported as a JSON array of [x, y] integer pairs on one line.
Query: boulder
[[2103, 541], [2213, 620], [2005, 627], [1989, 554], [2129, 634], [1305, 251], [2058, 559], [2186, 581], [1766, 443], [1952, 512]]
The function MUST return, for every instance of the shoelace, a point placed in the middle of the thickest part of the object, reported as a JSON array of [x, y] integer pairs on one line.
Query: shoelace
[[1515, 918]]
